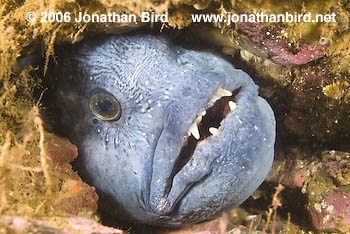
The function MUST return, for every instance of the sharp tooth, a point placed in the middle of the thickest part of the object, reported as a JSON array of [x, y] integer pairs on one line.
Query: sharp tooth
[[214, 131], [224, 92], [198, 120], [194, 130], [232, 105]]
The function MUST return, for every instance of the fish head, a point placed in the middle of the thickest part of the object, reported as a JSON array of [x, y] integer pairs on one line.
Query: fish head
[[168, 135]]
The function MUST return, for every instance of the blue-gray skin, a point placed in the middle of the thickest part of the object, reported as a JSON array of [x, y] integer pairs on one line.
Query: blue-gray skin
[[162, 89]]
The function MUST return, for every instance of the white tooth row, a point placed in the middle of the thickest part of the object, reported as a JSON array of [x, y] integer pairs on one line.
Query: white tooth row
[[193, 129]]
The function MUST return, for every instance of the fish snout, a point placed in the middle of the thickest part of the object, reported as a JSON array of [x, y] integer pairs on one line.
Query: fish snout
[[227, 131]]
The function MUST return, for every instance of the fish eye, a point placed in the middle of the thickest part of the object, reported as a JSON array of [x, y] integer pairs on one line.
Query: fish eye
[[104, 105]]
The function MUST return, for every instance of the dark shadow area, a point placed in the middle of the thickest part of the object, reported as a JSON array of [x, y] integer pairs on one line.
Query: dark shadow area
[[293, 202]]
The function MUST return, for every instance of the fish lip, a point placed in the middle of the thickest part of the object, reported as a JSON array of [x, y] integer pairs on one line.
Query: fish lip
[[165, 163], [176, 168], [228, 130], [164, 168]]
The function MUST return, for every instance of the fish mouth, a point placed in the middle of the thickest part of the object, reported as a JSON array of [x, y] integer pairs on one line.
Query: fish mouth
[[174, 174], [207, 124], [180, 163]]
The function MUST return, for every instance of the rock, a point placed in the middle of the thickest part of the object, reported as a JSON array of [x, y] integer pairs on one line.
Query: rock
[[59, 150], [267, 42], [76, 196], [333, 213], [70, 225], [325, 181]]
